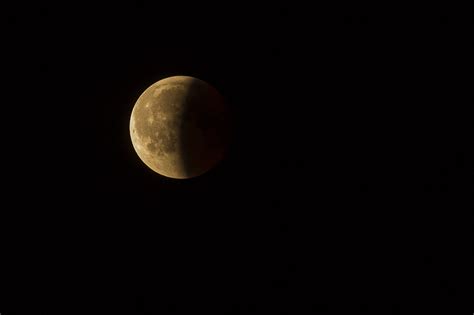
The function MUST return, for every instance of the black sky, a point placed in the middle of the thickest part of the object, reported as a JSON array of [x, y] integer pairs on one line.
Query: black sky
[[343, 184]]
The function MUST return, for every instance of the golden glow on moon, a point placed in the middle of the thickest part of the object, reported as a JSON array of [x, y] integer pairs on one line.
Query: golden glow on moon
[[179, 127]]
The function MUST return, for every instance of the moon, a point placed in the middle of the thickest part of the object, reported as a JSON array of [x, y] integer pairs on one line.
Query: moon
[[180, 127]]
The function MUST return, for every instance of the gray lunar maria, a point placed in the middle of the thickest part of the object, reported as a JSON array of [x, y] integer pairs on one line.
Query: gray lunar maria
[[180, 127]]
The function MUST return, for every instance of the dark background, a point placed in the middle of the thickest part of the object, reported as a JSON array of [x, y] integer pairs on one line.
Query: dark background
[[345, 187]]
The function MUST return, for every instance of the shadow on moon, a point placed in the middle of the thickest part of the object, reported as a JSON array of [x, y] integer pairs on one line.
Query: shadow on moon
[[205, 129]]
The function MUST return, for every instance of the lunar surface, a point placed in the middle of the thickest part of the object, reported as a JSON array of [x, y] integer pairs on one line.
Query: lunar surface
[[180, 127]]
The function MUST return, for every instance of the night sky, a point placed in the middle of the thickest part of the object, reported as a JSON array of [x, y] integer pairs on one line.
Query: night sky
[[342, 185]]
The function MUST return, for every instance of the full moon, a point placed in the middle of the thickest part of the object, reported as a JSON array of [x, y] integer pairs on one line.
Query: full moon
[[180, 127]]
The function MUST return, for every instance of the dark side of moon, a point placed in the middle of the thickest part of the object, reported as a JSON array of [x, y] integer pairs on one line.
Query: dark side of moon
[[180, 127]]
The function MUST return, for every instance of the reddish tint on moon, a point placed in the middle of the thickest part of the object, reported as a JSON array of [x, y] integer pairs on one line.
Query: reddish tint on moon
[[180, 127]]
